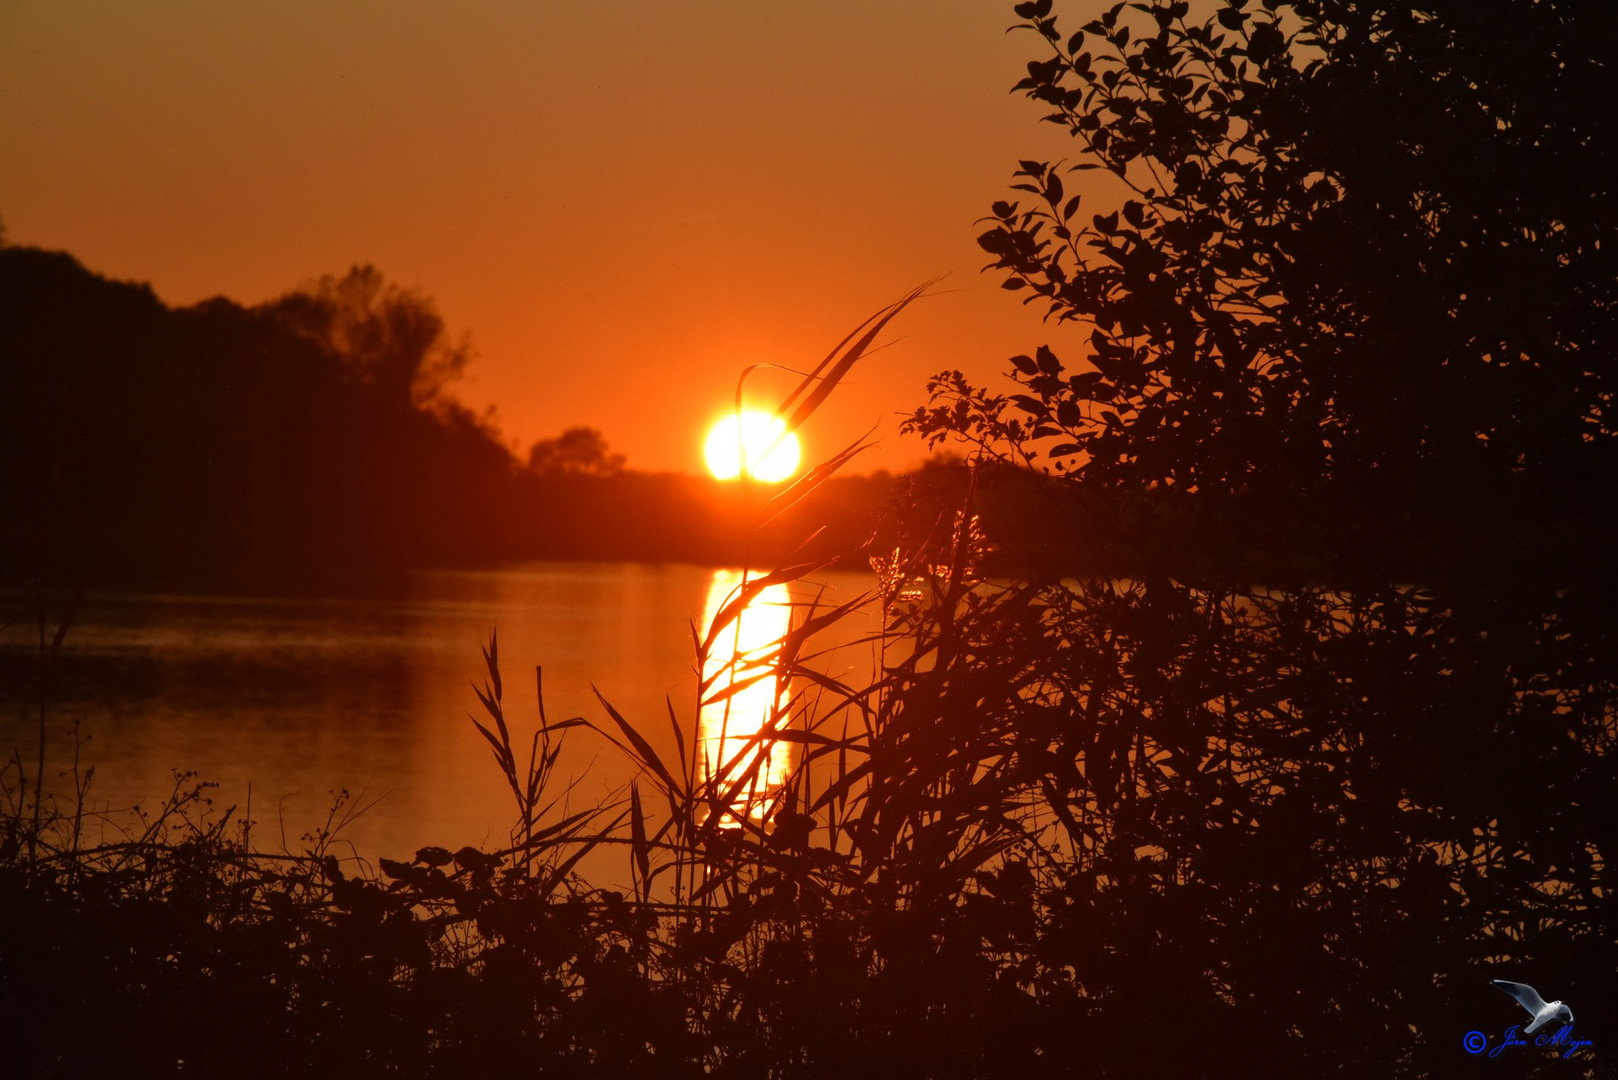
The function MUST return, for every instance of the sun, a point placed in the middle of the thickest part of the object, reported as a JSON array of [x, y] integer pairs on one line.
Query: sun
[[754, 442]]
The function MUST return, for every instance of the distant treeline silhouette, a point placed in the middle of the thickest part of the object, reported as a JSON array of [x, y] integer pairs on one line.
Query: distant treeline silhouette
[[311, 440]]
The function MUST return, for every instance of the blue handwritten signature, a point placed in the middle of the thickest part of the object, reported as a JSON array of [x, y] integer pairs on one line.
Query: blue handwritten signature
[[1562, 1041]]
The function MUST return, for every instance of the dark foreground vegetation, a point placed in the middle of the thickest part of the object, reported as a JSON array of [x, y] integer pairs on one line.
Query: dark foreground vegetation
[[1282, 803]]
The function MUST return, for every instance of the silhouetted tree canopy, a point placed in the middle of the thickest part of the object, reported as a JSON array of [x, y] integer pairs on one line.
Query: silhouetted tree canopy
[[387, 338], [578, 451], [219, 442], [1336, 371], [1362, 267]]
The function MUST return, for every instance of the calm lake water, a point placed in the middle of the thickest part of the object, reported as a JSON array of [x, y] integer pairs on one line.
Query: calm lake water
[[283, 702]]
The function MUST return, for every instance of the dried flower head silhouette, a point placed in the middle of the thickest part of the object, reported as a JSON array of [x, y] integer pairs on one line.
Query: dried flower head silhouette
[[1543, 1011]]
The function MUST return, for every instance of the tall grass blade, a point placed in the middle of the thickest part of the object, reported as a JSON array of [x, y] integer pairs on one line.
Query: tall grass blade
[[749, 590], [831, 360], [679, 736], [810, 481], [823, 385], [643, 751], [637, 837], [562, 869]]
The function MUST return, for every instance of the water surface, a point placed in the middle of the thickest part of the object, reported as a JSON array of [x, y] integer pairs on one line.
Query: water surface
[[282, 702]]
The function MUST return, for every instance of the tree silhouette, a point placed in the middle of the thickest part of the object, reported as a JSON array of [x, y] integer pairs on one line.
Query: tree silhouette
[[578, 451], [219, 445], [1364, 270], [309, 442], [1334, 750], [387, 338]]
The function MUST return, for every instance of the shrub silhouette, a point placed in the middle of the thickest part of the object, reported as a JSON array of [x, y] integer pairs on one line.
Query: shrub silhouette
[[1330, 753]]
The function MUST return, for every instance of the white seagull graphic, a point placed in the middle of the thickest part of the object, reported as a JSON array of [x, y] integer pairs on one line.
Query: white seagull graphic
[[1543, 1011]]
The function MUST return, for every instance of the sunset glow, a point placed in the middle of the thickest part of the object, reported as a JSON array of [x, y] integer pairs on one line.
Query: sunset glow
[[738, 130], [753, 442]]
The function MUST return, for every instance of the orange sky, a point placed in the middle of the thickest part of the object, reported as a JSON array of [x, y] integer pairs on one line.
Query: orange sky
[[624, 204]]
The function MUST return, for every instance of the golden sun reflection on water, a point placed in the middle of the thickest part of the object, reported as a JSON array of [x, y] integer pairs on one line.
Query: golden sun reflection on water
[[746, 697]]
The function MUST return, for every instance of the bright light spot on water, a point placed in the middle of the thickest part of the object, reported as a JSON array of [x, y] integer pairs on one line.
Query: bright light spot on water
[[743, 657]]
